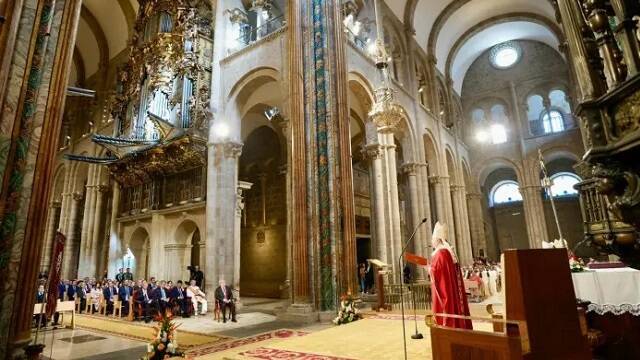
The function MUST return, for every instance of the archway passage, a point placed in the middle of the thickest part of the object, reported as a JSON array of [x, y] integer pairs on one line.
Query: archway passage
[[184, 252], [263, 251], [138, 259]]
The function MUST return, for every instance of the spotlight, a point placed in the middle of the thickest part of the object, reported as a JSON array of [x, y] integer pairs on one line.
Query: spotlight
[[482, 136], [271, 113], [221, 130]]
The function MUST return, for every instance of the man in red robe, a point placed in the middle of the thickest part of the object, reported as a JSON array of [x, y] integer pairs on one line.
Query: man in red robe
[[447, 288]]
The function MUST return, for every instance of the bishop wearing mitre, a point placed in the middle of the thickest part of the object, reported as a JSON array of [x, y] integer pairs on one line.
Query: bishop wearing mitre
[[447, 288]]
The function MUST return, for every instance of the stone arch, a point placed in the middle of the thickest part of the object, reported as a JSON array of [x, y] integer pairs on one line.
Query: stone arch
[[58, 183], [432, 155], [486, 167], [139, 243], [185, 247]]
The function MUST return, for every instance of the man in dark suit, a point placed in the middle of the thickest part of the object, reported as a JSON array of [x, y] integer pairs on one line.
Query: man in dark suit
[[224, 297], [109, 294], [128, 275], [71, 291], [62, 290], [120, 276], [160, 296], [81, 293], [145, 301], [41, 298], [124, 294], [179, 295]]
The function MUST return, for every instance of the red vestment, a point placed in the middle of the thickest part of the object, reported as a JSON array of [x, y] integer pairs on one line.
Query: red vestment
[[447, 291]]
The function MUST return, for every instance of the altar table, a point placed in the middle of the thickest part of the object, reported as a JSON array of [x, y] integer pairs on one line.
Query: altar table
[[615, 291]]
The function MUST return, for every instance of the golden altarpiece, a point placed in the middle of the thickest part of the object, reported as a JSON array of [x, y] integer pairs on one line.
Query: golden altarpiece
[[161, 108]]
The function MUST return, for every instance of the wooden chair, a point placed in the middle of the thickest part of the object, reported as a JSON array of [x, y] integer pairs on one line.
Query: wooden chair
[[77, 304], [217, 311], [130, 316], [102, 305], [89, 305], [117, 306]]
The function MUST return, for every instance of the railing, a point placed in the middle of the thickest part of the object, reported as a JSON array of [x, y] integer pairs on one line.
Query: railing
[[418, 294], [250, 34]]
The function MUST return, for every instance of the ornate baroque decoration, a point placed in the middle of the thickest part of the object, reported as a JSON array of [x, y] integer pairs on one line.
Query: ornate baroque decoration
[[161, 107]]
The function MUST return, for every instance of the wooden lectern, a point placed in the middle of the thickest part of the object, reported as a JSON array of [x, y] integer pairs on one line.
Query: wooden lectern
[[381, 269], [540, 300]]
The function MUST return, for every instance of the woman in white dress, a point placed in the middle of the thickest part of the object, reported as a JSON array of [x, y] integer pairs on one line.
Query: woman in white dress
[[95, 296]]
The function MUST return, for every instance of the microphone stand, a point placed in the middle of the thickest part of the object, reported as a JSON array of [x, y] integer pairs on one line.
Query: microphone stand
[[400, 272]]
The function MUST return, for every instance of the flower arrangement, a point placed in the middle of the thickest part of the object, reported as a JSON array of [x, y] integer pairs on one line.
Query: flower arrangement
[[576, 264], [164, 345], [348, 310]]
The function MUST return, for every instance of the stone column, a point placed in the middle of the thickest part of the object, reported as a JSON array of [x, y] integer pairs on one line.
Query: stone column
[[395, 240], [93, 253], [411, 170], [70, 269], [86, 233], [425, 207], [465, 252], [115, 243], [50, 232], [375, 153], [242, 187], [534, 214], [220, 262], [476, 222]]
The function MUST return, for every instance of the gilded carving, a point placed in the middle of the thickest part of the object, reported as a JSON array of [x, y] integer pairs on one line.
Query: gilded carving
[[627, 115]]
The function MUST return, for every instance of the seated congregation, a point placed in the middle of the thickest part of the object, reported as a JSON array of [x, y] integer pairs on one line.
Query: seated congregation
[[139, 300]]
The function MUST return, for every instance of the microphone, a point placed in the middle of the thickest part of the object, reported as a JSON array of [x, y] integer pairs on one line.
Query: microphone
[[411, 237]]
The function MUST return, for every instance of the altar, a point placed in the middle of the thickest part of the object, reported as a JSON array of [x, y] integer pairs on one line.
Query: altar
[[615, 291], [613, 310]]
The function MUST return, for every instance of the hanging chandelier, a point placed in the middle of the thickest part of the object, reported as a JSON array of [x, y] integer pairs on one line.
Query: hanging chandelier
[[386, 113]]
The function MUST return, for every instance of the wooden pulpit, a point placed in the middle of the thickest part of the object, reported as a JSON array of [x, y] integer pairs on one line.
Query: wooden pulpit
[[541, 321], [539, 292]]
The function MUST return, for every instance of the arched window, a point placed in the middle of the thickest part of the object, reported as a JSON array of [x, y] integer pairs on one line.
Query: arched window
[[498, 113], [505, 192], [477, 116], [562, 184], [552, 122], [535, 107], [559, 100]]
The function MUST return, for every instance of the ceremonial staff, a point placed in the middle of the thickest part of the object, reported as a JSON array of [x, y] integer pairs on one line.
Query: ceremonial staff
[[546, 184]]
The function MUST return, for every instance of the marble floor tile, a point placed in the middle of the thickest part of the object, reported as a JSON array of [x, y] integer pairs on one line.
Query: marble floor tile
[[66, 344]]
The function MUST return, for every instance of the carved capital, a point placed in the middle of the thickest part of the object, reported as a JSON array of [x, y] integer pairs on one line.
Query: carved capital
[[229, 149], [77, 196], [102, 188], [55, 204], [411, 169], [373, 152]]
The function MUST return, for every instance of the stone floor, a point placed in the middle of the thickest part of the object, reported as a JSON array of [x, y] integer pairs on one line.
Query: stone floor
[[259, 334]]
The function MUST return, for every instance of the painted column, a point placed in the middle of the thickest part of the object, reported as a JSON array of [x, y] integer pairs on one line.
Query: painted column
[[375, 153], [476, 222]]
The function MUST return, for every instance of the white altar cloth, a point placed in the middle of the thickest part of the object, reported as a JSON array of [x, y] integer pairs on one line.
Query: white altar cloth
[[614, 291]]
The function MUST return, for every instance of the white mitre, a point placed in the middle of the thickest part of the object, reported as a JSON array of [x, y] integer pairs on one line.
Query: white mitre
[[440, 232]]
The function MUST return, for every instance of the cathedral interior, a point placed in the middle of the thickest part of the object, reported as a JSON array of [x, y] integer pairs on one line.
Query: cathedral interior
[[278, 145]]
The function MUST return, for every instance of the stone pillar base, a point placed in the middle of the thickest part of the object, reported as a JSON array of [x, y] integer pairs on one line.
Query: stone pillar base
[[327, 316], [300, 313]]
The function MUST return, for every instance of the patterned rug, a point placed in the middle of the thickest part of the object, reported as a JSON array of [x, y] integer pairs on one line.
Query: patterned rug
[[231, 347], [135, 331]]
